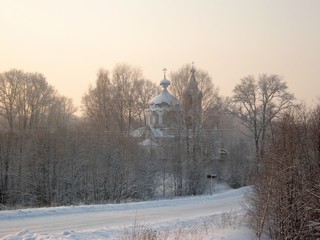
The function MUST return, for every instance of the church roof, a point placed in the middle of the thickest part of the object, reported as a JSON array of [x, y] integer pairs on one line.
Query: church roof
[[165, 83], [148, 143], [164, 99]]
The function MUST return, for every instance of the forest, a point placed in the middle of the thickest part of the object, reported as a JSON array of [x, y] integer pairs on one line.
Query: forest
[[51, 156]]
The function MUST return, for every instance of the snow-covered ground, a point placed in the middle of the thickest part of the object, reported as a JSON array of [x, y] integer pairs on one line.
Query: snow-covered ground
[[219, 216]]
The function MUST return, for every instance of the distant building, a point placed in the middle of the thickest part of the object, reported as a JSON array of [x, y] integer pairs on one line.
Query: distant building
[[169, 121], [163, 116], [163, 109], [193, 103]]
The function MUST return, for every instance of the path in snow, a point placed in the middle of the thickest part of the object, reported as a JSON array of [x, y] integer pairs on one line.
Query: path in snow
[[50, 221]]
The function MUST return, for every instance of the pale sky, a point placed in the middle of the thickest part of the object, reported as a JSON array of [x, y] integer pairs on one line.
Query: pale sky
[[69, 40]]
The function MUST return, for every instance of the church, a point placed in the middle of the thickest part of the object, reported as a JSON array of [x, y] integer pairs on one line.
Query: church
[[162, 117], [173, 132]]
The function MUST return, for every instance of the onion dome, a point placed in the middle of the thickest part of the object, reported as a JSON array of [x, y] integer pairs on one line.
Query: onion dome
[[165, 83], [164, 99]]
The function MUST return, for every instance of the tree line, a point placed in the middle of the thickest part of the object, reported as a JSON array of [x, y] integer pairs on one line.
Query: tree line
[[28, 102], [285, 200], [117, 101], [50, 157]]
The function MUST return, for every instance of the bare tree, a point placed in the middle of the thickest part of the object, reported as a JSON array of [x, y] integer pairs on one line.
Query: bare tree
[[97, 103], [145, 90], [25, 99], [284, 202], [257, 102], [61, 112], [35, 96], [29, 106], [123, 78], [211, 102], [312, 175], [9, 93], [118, 103], [195, 90]]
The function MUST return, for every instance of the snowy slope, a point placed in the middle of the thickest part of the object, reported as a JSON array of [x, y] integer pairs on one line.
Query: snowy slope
[[108, 221]]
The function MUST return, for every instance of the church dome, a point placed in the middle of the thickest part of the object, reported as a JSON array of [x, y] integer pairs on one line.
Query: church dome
[[165, 83], [163, 111], [164, 99]]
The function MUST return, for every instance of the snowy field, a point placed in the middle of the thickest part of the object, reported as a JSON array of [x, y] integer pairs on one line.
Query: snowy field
[[220, 216]]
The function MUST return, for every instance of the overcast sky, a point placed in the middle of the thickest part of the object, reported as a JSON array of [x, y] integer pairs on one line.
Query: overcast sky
[[69, 40]]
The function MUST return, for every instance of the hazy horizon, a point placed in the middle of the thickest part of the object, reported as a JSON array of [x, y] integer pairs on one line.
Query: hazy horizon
[[68, 41]]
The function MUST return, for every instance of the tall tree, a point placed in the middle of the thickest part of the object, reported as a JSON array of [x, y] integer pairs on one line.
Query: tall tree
[[123, 79], [285, 197], [195, 90], [256, 102], [28, 105], [26, 98], [145, 90], [10, 83], [211, 102], [35, 96], [61, 112], [97, 103], [117, 103]]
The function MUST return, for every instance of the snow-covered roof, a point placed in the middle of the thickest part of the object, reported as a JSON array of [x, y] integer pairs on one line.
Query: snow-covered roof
[[160, 133], [164, 99], [148, 143], [138, 132]]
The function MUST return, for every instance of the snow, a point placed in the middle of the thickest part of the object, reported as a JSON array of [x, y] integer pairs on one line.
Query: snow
[[138, 132], [219, 216], [157, 132], [164, 97], [148, 143]]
